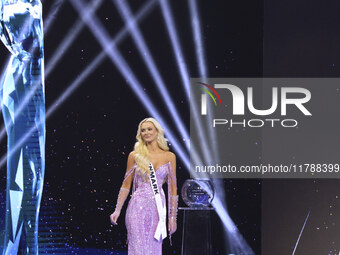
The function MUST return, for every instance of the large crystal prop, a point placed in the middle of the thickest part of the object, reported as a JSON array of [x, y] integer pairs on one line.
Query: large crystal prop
[[23, 108]]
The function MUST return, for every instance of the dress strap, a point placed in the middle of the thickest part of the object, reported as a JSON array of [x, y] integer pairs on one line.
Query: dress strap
[[129, 172], [171, 176]]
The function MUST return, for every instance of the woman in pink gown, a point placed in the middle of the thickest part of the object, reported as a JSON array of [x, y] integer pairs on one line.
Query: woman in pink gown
[[143, 216]]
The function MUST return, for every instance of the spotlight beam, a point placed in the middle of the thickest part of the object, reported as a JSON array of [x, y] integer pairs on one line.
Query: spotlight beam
[[171, 28], [70, 37], [197, 34], [52, 15], [176, 46], [207, 155], [303, 227], [101, 35], [200, 56], [146, 55], [236, 241]]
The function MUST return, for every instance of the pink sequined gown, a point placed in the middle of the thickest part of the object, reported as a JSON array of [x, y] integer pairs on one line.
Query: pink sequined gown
[[142, 215]]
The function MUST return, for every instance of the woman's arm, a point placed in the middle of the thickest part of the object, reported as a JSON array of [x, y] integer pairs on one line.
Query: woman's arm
[[125, 189], [129, 171], [172, 195]]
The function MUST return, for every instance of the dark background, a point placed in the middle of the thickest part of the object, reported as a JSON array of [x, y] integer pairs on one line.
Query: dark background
[[90, 135], [301, 39]]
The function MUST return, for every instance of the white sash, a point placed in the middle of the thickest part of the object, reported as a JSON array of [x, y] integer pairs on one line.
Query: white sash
[[160, 233]]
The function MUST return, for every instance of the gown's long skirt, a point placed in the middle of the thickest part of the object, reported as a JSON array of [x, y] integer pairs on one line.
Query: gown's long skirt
[[141, 223]]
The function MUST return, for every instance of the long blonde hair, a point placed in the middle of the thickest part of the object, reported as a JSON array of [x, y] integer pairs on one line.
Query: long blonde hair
[[142, 156]]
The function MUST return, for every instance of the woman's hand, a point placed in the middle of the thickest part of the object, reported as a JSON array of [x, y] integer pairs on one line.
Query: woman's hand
[[172, 225], [114, 217]]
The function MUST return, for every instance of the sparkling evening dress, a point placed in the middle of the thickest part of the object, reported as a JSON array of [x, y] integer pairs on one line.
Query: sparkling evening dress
[[142, 215]]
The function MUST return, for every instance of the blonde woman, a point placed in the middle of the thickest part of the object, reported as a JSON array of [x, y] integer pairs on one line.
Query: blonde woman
[[149, 166]]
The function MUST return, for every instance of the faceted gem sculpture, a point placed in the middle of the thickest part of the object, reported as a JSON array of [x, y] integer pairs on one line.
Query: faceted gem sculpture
[[23, 108]]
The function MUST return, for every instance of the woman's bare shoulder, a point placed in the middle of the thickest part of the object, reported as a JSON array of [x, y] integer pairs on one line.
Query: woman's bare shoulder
[[131, 157], [170, 156]]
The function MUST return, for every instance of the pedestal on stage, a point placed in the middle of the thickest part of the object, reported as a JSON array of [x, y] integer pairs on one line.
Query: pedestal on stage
[[196, 238]]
